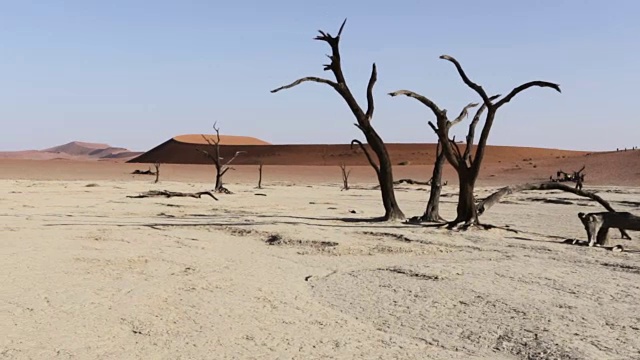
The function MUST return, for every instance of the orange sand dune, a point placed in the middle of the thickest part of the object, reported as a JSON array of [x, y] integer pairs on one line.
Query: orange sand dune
[[502, 164], [180, 151], [224, 139]]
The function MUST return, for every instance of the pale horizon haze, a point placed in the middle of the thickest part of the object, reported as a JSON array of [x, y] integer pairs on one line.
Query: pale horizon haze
[[135, 73]]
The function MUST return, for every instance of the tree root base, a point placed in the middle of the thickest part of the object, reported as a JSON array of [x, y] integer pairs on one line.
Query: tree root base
[[223, 190], [417, 220]]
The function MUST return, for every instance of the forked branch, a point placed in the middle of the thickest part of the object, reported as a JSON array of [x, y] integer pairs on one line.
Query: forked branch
[[472, 129], [424, 100], [345, 176]]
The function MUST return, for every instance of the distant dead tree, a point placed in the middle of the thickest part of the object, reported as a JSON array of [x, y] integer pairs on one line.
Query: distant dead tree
[[260, 175], [345, 176], [576, 176], [467, 166], [214, 156], [157, 165], [383, 166]]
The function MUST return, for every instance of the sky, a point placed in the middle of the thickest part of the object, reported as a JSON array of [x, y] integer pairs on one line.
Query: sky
[[135, 73]]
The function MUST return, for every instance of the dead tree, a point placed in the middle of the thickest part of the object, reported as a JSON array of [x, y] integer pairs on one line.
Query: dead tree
[[345, 176], [214, 156], [383, 166], [466, 165], [157, 165], [494, 198], [260, 175], [579, 177], [576, 176]]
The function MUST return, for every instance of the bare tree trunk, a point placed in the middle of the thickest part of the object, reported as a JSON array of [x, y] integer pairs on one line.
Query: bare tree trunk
[[385, 177], [260, 176], [157, 165], [432, 212], [218, 187], [345, 176], [391, 209], [466, 210]]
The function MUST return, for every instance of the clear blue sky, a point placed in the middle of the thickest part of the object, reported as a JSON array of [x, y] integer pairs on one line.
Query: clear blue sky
[[135, 73]]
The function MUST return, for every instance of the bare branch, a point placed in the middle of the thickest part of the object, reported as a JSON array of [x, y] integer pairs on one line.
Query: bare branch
[[463, 114], [207, 154], [305, 79], [525, 86], [435, 129], [366, 153], [430, 104], [448, 150], [209, 141], [342, 27], [456, 147], [235, 156], [372, 81], [472, 129], [217, 142], [335, 65], [477, 88]]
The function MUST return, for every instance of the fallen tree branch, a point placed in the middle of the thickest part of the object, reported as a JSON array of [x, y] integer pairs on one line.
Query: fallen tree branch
[[494, 198], [412, 182], [143, 172], [170, 194]]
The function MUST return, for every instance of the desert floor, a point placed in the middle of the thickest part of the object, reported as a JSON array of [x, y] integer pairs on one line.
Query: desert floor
[[88, 273]]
